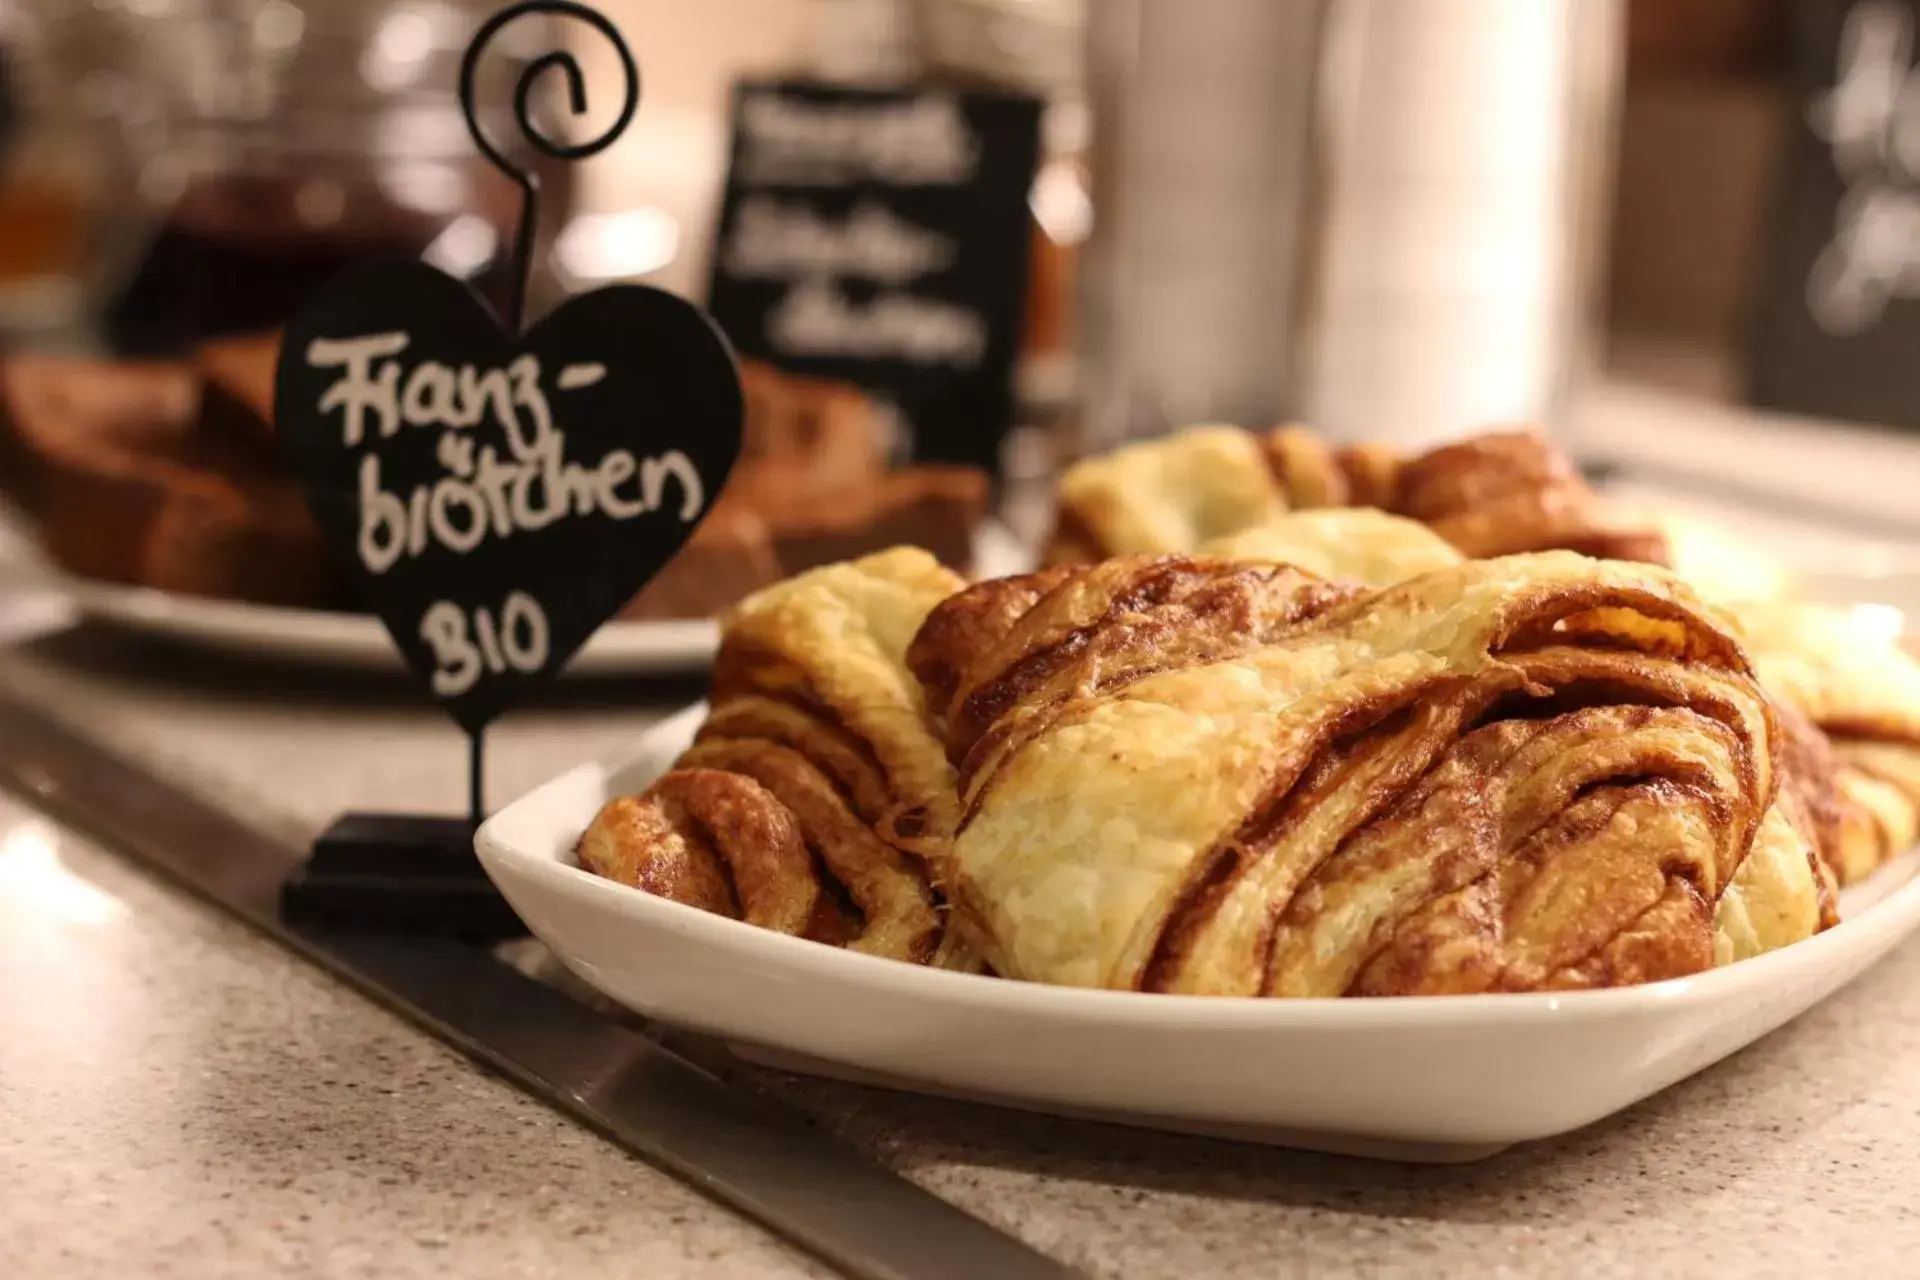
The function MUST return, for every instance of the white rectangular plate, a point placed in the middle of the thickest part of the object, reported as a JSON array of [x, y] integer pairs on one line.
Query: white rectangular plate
[[1431, 1078]]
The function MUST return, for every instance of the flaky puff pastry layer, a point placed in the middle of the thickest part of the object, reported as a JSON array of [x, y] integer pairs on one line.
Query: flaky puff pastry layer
[[1170, 494], [1197, 775], [1852, 821], [1356, 544], [815, 789], [1492, 494], [1847, 671]]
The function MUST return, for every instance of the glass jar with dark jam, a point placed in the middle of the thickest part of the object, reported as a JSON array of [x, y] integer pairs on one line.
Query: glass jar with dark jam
[[288, 140]]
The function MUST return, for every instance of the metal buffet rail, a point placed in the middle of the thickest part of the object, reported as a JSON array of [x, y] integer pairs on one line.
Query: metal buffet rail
[[750, 1154]]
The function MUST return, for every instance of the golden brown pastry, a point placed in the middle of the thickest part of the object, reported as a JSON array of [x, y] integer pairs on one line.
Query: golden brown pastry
[[1847, 671], [1489, 495], [1506, 492], [1845, 815], [1163, 495], [1209, 776], [1358, 544], [811, 796], [1311, 473]]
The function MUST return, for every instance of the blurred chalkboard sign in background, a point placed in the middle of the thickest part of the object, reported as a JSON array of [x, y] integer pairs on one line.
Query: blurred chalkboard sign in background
[[881, 236], [1836, 328]]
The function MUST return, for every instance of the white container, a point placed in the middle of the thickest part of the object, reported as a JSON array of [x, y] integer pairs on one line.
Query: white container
[[1202, 122], [1438, 1078], [1467, 150]]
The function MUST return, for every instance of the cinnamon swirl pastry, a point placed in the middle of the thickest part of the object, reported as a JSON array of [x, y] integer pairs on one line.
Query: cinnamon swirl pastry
[[1854, 680], [1847, 817], [1211, 776], [1507, 492], [815, 790], [1490, 495]]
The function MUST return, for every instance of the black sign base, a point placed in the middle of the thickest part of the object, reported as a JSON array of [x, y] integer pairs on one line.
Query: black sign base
[[398, 873]]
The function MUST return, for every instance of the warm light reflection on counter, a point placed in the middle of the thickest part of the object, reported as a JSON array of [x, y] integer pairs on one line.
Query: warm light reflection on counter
[[37, 885]]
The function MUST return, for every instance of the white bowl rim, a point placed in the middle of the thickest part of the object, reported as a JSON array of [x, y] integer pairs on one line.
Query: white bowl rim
[[856, 970]]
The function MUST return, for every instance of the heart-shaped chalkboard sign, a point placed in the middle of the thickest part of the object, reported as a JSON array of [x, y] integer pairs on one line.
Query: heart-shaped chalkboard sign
[[495, 494], [497, 497]]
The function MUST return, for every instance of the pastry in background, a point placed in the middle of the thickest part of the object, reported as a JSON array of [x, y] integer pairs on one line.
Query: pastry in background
[[935, 507], [754, 538], [805, 434], [132, 480], [1312, 473], [41, 395], [1848, 673], [1170, 494], [729, 557], [1489, 495], [1182, 774], [816, 794], [812, 488], [1723, 568], [1359, 544], [167, 475], [1507, 492], [813, 466], [236, 383]]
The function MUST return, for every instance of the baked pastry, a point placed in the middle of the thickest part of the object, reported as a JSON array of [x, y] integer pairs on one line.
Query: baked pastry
[[807, 433], [936, 508], [1497, 494], [1722, 567], [167, 475], [1198, 775], [130, 484], [729, 557], [236, 377], [42, 397], [754, 537], [1311, 473], [1163, 495], [1506, 492], [1843, 813], [1494, 494], [1357, 544], [1851, 676], [815, 792], [812, 488]]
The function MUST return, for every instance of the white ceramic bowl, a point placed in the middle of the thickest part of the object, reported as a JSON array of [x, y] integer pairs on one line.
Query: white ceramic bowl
[[1434, 1078]]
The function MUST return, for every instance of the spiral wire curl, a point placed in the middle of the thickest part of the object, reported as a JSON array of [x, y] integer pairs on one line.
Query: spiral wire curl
[[569, 66]]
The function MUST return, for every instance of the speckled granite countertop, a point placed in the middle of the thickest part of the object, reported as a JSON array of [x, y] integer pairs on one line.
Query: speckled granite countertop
[[180, 1098]]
